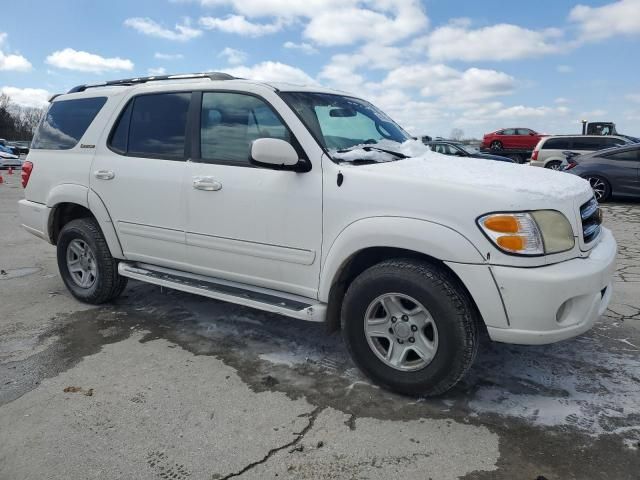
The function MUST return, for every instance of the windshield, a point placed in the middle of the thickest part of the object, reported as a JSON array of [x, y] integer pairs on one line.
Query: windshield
[[470, 150], [340, 123]]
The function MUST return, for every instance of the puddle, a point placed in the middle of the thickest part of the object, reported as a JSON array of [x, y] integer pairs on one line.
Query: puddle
[[18, 272]]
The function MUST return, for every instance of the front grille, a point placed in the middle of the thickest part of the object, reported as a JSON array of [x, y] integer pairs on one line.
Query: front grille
[[591, 220]]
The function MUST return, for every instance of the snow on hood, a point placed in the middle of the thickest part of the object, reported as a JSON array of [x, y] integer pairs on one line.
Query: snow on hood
[[474, 172]]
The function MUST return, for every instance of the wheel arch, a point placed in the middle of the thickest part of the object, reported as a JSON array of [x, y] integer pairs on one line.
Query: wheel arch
[[362, 245], [68, 209]]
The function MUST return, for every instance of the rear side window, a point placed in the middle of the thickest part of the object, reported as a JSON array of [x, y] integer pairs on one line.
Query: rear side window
[[556, 144], [589, 143], [153, 126], [65, 123]]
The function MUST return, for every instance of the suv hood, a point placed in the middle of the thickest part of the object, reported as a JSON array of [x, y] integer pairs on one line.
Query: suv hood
[[477, 174]]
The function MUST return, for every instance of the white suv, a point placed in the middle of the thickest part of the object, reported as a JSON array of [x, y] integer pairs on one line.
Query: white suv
[[549, 152], [315, 205]]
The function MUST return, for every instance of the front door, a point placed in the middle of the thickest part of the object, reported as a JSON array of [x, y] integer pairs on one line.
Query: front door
[[246, 224], [139, 175]]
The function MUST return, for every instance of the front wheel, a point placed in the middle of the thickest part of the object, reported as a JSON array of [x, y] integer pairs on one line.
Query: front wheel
[[496, 145], [410, 326], [85, 263]]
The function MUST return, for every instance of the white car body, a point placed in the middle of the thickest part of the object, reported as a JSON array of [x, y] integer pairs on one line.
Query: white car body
[[545, 153], [290, 234]]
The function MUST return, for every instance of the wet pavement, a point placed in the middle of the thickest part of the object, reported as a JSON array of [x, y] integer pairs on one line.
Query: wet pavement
[[162, 384]]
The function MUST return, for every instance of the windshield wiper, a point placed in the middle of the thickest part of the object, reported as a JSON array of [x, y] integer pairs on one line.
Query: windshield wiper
[[368, 148]]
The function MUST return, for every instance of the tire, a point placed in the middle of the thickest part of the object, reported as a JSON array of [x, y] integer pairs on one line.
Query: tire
[[554, 165], [600, 186], [452, 329], [95, 279], [496, 145]]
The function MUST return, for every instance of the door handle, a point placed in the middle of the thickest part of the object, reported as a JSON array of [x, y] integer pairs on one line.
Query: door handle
[[208, 184], [104, 174]]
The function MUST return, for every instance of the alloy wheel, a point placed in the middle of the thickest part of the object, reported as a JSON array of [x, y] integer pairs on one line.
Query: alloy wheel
[[81, 263], [401, 332]]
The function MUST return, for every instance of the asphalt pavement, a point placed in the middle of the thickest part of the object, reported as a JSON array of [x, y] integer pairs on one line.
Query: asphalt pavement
[[167, 385]]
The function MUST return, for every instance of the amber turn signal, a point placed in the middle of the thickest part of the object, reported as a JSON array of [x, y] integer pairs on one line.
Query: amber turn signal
[[502, 224]]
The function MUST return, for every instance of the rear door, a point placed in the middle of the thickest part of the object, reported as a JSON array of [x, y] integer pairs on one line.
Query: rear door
[[138, 172], [509, 138]]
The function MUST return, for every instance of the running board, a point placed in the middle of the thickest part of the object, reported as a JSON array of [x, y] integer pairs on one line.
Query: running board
[[256, 297]]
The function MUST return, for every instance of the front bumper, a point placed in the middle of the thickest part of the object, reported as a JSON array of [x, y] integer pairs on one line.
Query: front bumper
[[555, 302]]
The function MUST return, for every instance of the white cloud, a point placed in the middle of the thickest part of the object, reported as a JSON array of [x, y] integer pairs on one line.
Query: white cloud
[[27, 97], [303, 47], [181, 32], [450, 85], [597, 23], [239, 25], [272, 72], [71, 59], [634, 97], [561, 100], [12, 62], [564, 69], [457, 41], [156, 71], [233, 56], [391, 22], [168, 56]]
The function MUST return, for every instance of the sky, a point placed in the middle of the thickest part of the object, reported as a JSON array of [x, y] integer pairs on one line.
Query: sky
[[432, 65]]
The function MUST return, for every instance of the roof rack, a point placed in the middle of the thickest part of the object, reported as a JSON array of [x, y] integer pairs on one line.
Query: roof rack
[[155, 78]]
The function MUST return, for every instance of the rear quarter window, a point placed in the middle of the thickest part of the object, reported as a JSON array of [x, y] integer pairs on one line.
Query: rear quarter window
[[556, 144], [65, 123]]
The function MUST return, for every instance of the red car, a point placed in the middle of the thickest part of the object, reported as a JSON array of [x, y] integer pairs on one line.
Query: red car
[[520, 138]]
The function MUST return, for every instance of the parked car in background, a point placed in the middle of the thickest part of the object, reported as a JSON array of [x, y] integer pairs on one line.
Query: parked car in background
[[549, 152], [6, 148], [9, 160], [614, 171], [460, 150], [519, 138], [22, 146]]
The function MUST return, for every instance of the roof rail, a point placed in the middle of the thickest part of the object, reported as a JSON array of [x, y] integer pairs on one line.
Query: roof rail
[[155, 78]]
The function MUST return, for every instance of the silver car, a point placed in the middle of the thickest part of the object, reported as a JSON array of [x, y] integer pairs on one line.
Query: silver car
[[549, 151]]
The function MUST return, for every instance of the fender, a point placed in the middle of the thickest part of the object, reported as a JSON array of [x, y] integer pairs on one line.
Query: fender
[[99, 210], [429, 238], [68, 193], [81, 195]]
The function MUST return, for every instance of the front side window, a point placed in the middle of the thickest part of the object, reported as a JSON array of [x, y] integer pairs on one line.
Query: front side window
[[229, 122], [508, 131], [65, 123], [339, 122]]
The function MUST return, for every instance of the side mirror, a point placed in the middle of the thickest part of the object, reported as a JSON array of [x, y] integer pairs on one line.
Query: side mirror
[[274, 153], [531, 133]]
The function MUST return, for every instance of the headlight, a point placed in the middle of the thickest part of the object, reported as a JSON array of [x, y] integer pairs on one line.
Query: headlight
[[529, 233]]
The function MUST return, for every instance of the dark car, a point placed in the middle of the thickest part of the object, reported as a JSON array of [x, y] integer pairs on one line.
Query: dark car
[[461, 150], [614, 171]]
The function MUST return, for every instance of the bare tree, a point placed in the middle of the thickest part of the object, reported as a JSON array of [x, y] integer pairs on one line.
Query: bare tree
[[17, 122], [456, 134]]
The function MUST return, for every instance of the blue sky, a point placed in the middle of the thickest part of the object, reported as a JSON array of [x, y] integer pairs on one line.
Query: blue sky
[[433, 65]]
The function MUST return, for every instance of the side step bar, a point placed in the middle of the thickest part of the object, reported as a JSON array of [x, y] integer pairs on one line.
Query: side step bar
[[256, 297]]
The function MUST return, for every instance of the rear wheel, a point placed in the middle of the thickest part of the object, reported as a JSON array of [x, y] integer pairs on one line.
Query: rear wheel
[[85, 263], [496, 145], [601, 188], [410, 327], [554, 165]]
